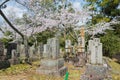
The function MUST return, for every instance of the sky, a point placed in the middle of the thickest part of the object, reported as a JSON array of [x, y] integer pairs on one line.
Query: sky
[[15, 8]]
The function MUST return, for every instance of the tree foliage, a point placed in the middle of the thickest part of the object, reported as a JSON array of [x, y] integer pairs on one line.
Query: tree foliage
[[106, 11], [111, 43], [103, 9]]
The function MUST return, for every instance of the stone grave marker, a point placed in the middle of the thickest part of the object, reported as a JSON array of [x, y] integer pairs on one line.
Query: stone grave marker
[[81, 41], [22, 51], [68, 46], [18, 48], [10, 47], [14, 58], [52, 64], [4, 63], [81, 49], [45, 51], [40, 50], [95, 72], [81, 45], [31, 52], [95, 50], [55, 51]]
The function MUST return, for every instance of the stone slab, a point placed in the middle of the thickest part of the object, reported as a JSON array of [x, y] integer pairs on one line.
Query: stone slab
[[60, 72], [95, 72], [52, 64], [14, 61], [95, 51]]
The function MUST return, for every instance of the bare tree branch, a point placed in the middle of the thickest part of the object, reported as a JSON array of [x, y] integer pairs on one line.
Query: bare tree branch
[[2, 30]]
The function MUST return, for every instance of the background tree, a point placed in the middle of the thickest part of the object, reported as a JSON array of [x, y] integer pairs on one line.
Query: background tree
[[105, 25], [103, 10], [3, 5]]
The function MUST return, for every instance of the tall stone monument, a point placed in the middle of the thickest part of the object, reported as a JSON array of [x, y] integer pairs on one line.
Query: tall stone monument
[[81, 41], [81, 48], [52, 64], [95, 50], [96, 70]]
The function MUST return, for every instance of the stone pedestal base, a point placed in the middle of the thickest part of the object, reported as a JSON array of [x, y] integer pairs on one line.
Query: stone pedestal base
[[59, 72], [95, 72], [52, 67], [14, 61], [81, 56]]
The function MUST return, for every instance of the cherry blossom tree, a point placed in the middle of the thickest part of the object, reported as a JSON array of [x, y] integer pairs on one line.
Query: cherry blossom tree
[[60, 18], [101, 27], [3, 5], [41, 16]]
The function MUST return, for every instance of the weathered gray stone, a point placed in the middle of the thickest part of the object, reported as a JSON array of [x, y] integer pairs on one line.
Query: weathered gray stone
[[51, 49], [14, 58], [81, 49], [95, 72], [5, 51], [95, 50], [18, 48], [99, 59], [40, 50], [68, 46], [81, 56], [59, 72], [13, 54], [81, 41], [45, 51], [22, 51], [51, 63], [55, 51], [31, 51]]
